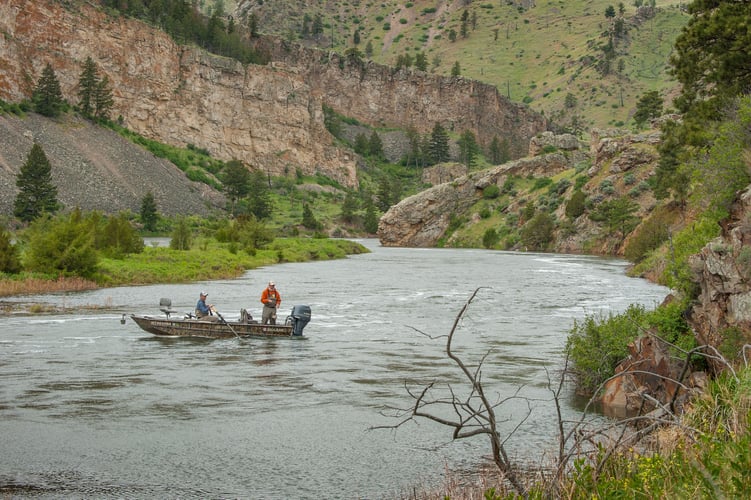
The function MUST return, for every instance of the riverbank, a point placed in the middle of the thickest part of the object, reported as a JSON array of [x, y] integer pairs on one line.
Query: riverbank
[[208, 260]]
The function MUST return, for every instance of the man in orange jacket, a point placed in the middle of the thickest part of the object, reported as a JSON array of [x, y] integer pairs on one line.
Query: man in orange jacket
[[271, 301]]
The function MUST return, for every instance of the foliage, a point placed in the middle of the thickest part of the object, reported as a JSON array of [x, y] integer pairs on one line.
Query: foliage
[[116, 237], [597, 344], [648, 106], [709, 461], [309, 220], [47, 96], [438, 149], [185, 23], [468, 148], [722, 170], [689, 241], [490, 238], [537, 233], [249, 232], [182, 236], [10, 261], [618, 215], [576, 204], [651, 233], [711, 57], [37, 195], [491, 192], [149, 214], [87, 82], [62, 246]]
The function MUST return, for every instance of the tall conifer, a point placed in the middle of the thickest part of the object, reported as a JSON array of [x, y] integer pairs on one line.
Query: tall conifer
[[37, 194]]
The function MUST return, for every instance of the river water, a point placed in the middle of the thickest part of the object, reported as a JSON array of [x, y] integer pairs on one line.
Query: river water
[[92, 408]]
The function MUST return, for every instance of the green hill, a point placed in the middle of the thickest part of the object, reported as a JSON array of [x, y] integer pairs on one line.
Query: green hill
[[557, 56]]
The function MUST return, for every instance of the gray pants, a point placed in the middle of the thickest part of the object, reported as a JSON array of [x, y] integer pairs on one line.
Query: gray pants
[[269, 315]]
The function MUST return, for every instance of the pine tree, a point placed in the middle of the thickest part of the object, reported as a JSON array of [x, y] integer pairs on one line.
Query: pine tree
[[103, 99], [37, 194], [87, 84], [149, 215], [439, 144], [47, 96], [468, 147]]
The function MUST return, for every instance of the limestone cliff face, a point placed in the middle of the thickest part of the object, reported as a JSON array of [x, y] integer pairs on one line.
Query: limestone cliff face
[[382, 96], [266, 117]]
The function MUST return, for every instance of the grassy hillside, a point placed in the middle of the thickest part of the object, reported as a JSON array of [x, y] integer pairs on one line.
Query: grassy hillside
[[537, 55]]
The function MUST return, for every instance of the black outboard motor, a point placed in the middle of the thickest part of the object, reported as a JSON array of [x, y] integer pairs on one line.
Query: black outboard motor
[[299, 318]]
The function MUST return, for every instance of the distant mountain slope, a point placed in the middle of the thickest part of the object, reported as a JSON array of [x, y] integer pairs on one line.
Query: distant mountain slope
[[538, 52]]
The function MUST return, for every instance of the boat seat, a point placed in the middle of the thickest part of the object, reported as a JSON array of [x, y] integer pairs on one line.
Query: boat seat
[[165, 305]]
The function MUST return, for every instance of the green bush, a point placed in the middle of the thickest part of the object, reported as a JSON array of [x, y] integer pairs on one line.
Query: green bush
[[576, 205], [491, 192], [62, 246], [650, 234], [597, 344], [537, 234], [10, 261]]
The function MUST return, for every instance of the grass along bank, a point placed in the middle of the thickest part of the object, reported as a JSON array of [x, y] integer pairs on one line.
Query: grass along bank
[[207, 260]]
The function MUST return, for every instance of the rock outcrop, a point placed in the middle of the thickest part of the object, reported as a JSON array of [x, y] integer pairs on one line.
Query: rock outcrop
[[722, 270], [420, 220]]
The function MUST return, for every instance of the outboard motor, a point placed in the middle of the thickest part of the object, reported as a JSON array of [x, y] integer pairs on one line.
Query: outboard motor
[[299, 318]]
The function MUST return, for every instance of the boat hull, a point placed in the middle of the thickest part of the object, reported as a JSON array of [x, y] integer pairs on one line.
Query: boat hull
[[173, 327]]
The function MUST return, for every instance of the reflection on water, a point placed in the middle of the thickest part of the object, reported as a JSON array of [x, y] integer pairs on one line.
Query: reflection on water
[[93, 408]]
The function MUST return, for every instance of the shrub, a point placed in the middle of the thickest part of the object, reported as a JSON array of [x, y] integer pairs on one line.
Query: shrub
[[537, 234], [9, 259], [650, 234], [491, 192], [576, 205], [490, 238], [63, 246], [597, 344], [182, 236]]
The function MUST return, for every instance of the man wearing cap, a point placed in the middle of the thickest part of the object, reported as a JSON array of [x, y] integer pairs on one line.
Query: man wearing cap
[[271, 301], [203, 310]]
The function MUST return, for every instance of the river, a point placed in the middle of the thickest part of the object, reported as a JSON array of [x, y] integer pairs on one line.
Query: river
[[92, 408]]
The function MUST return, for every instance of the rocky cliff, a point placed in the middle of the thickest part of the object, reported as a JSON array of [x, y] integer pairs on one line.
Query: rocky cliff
[[263, 115], [270, 117]]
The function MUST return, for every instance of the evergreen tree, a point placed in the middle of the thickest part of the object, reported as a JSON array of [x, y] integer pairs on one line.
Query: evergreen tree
[[350, 206], [468, 148], [648, 106], [37, 194], [87, 84], [253, 25], [456, 69], [149, 214], [439, 144], [370, 223], [375, 145], [362, 147], [259, 196], [421, 61], [236, 181], [309, 220], [711, 59], [103, 99], [47, 96]]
